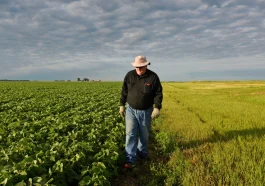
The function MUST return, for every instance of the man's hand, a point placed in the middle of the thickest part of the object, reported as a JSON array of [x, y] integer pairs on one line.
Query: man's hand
[[122, 111], [155, 113]]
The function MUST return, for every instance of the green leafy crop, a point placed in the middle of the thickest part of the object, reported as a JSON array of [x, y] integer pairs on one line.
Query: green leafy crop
[[59, 133]]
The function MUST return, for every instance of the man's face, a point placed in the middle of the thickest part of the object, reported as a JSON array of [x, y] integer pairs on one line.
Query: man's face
[[141, 70]]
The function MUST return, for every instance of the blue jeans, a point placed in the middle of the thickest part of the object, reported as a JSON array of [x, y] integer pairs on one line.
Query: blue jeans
[[137, 121]]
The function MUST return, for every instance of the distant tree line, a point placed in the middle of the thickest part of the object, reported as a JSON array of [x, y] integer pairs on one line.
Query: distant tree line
[[58, 80], [85, 79], [13, 80]]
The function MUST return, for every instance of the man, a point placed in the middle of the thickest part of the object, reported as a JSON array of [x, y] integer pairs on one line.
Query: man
[[141, 90]]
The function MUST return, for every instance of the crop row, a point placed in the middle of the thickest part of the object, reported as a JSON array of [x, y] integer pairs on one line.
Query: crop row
[[59, 133]]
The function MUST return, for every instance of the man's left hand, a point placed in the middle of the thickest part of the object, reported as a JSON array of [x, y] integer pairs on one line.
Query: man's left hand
[[155, 113]]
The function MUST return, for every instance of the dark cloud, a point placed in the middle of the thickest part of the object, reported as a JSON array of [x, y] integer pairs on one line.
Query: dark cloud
[[213, 2]]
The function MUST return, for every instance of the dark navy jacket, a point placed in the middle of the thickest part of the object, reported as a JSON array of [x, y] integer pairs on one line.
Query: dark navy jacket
[[141, 92]]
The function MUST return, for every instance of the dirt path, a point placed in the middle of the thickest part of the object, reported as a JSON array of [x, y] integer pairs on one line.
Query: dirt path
[[141, 175]]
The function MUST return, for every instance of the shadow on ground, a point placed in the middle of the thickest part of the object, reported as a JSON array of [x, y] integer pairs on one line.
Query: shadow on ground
[[219, 136], [141, 175]]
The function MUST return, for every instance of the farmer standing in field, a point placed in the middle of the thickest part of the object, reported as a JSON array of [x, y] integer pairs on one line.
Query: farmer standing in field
[[141, 90]]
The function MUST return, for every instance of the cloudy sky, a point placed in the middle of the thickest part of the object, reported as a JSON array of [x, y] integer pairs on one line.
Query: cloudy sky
[[184, 40]]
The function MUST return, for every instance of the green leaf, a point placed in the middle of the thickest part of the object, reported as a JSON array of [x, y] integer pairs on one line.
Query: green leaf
[[4, 182], [22, 184]]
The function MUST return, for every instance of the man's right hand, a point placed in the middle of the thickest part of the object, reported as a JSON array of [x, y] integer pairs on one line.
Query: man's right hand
[[122, 111]]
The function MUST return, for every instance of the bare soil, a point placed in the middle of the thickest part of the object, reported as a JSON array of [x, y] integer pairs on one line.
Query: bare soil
[[140, 175]]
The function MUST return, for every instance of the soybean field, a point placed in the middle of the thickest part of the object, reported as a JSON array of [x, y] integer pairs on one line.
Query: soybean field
[[59, 133]]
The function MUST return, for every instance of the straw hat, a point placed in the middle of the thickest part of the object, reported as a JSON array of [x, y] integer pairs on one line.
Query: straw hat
[[140, 61]]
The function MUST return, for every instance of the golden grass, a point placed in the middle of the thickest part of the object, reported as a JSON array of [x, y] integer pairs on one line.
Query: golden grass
[[219, 127]]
